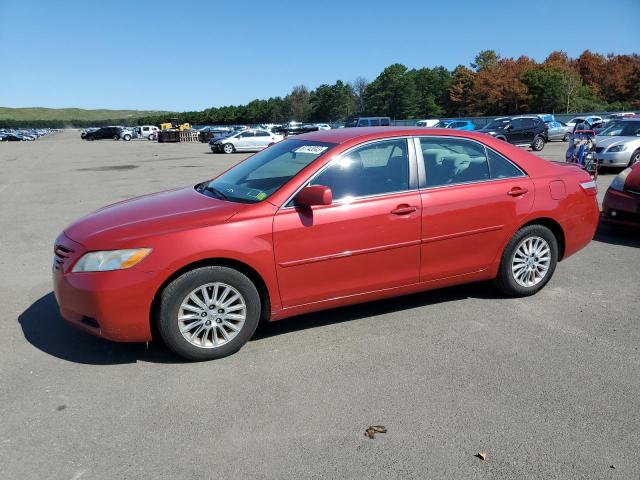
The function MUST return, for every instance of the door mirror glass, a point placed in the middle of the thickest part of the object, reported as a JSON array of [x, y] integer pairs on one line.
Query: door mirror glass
[[314, 195]]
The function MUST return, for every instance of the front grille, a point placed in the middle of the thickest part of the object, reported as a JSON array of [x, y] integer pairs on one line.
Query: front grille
[[599, 149], [60, 254]]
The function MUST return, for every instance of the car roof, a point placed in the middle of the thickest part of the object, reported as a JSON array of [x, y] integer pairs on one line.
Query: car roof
[[342, 135]]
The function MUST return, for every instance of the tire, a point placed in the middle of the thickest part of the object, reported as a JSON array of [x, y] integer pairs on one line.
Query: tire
[[635, 158], [126, 138], [91, 139], [513, 277], [116, 137], [202, 336], [538, 144], [151, 137], [565, 138], [228, 148]]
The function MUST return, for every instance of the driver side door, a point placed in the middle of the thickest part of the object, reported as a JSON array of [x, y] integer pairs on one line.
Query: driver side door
[[368, 239]]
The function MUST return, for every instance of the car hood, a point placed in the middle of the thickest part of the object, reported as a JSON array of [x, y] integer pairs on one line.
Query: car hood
[[607, 142], [121, 224]]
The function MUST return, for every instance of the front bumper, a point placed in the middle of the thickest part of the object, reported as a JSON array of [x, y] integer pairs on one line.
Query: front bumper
[[114, 305], [617, 159], [621, 208]]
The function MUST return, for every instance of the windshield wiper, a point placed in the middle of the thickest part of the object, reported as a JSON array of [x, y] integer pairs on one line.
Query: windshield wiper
[[216, 192]]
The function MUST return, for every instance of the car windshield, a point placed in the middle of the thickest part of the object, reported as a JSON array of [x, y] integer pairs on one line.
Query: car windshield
[[442, 124], [258, 177], [621, 129], [498, 123]]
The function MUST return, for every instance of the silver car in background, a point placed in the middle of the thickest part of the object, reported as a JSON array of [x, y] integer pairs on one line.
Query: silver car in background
[[618, 145], [251, 140], [558, 131]]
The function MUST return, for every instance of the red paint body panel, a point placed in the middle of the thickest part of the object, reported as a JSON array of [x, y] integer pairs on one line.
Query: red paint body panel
[[625, 203], [346, 249], [325, 256]]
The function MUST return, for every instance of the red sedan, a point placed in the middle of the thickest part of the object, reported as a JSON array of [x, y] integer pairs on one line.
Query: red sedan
[[621, 204], [318, 221]]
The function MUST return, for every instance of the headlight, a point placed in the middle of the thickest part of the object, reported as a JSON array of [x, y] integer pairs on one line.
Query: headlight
[[110, 260], [618, 182], [617, 148]]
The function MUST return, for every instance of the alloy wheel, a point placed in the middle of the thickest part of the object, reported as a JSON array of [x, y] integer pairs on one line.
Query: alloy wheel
[[531, 261], [212, 315]]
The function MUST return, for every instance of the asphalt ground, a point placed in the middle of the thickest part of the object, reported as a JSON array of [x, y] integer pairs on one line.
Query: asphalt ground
[[548, 386]]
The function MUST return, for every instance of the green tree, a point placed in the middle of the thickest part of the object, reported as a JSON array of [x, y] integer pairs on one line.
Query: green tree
[[392, 93], [485, 59]]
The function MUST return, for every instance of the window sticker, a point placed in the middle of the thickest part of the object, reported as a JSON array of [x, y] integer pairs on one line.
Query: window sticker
[[315, 149]]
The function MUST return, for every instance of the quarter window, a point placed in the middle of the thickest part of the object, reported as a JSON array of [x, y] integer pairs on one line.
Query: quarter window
[[450, 161], [501, 167], [374, 169], [262, 134]]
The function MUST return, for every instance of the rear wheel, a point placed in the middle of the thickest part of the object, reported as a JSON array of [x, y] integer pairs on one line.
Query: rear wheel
[[208, 313], [528, 261], [228, 148], [116, 137], [538, 144], [566, 137], [126, 138]]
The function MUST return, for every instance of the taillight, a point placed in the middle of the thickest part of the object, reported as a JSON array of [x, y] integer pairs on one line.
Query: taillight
[[590, 188]]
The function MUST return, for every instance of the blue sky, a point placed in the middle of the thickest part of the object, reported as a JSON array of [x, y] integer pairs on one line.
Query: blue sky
[[193, 55]]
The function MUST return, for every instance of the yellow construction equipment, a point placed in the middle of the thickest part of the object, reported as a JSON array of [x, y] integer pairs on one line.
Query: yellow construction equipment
[[173, 124]]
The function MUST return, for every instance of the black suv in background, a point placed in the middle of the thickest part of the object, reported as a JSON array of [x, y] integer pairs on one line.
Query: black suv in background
[[530, 131], [104, 132]]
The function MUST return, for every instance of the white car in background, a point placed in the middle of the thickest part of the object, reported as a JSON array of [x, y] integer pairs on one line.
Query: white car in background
[[150, 132], [590, 119], [427, 123], [323, 126], [251, 140]]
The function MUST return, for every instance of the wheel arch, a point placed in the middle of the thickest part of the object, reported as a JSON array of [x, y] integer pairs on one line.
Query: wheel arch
[[555, 228], [254, 276]]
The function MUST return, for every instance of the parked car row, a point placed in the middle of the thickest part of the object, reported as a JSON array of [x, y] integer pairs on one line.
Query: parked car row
[[23, 135], [150, 132]]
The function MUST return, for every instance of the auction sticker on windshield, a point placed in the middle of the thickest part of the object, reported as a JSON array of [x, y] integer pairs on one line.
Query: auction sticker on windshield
[[315, 149]]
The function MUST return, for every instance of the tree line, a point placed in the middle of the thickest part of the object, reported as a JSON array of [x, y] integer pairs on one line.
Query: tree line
[[490, 85]]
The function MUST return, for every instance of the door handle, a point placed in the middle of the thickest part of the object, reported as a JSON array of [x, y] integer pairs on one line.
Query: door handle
[[404, 209], [517, 191]]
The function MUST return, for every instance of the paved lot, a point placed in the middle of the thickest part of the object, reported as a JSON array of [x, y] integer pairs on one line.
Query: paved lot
[[548, 386]]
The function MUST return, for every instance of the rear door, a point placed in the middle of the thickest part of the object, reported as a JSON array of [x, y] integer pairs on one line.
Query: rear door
[[262, 139], [472, 197]]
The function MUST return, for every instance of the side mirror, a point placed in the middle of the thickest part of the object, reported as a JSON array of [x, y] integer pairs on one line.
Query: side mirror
[[314, 195]]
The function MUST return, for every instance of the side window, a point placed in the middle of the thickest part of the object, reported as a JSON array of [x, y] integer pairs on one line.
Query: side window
[[375, 122], [247, 134], [262, 134], [374, 169], [500, 167], [384, 122], [363, 122], [449, 161], [528, 123], [145, 129], [516, 124]]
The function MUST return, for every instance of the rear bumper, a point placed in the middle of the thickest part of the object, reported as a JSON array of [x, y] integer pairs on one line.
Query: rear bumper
[[621, 208]]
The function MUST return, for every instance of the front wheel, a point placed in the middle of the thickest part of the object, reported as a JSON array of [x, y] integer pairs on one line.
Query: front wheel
[[528, 261], [566, 137], [208, 313], [116, 137], [228, 148], [635, 158], [538, 144], [126, 138]]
